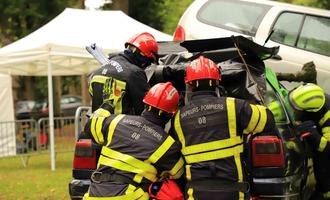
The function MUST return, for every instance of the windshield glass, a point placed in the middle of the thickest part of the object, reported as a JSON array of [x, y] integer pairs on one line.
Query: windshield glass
[[242, 17]]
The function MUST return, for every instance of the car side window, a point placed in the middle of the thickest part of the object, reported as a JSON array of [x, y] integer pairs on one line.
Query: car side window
[[286, 28], [315, 35], [64, 101]]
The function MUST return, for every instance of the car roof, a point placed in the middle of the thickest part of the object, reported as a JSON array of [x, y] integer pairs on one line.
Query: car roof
[[286, 6], [281, 5]]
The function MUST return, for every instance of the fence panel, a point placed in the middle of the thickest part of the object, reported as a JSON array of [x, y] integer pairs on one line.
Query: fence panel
[[82, 115], [25, 137], [18, 137], [64, 133]]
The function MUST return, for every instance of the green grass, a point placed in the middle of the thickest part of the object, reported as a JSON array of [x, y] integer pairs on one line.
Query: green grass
[[36, 181]]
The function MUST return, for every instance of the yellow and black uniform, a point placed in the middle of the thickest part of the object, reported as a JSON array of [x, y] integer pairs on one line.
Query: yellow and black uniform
[[122, 83], [136, 151], [211, 131], [321, 146]]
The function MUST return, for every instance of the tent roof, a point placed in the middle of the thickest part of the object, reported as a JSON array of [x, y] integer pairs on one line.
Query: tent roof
[[63, 41]]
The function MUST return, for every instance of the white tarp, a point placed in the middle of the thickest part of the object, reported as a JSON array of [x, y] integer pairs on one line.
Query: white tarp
[[7, 126], [63, 41]]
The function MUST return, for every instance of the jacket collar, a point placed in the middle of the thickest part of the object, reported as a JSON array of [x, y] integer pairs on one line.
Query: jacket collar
[[202, 94]]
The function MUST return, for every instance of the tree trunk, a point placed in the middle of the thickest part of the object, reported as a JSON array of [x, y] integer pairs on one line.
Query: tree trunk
[[84, 91], [29, 89], [57, 95], [120, 5]]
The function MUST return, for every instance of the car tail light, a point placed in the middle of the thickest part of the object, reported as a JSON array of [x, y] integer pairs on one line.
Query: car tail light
[[84, 155], [44, 110], [179, 34], [267, 151]]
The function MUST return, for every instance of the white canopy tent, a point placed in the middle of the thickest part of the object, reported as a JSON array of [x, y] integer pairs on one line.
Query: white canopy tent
[[58, 48], [7, 128]]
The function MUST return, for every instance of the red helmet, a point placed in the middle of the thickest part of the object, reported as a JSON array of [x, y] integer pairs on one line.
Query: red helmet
[[165, 190], [164, 97], [146, 43], [202, 68]]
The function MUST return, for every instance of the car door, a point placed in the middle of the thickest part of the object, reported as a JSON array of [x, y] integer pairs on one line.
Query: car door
[[302, 38]]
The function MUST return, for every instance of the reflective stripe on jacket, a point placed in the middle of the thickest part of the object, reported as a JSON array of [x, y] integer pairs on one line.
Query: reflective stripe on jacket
[[210, 130], [135, 148]]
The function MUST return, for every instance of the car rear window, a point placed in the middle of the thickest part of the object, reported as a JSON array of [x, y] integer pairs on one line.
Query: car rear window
[[242, 17]]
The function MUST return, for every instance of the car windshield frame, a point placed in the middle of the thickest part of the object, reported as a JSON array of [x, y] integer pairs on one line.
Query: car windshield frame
[[251, 32], [277, 98]]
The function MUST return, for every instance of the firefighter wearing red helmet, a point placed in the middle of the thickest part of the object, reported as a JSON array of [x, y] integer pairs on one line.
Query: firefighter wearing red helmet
[[211, 130], [123, 83], [136, 150]]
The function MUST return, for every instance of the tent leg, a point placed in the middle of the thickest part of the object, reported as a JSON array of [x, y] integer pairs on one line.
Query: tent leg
[[51, 115]]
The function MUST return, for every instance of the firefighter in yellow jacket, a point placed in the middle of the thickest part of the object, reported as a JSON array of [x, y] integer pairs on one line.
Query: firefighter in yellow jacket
[[136, 150], [123, 82], [311, 103], [211, 131]]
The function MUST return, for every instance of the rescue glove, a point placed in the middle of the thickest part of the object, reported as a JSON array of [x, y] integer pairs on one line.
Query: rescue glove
[[105, 110], [165, 190], [308, 130], [108, 105]]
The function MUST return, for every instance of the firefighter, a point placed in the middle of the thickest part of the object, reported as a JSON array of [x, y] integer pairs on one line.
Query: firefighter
[[136, 150], [211, 131], [123, 82], [311, 103]]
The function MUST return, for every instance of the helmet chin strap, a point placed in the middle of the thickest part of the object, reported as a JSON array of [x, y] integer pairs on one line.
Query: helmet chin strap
[[141, 61]]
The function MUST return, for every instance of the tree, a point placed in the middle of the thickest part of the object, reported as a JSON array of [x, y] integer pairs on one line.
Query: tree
[[147, 12], [19, 18], [171, 13], [325, 4], [163, 15]]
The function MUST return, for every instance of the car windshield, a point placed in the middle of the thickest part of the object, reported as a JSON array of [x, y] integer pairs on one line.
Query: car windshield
[[246, 19], [24, 106], [39, 105]]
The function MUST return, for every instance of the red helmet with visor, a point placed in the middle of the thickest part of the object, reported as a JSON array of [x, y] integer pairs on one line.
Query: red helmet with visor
[[146, 43], [202, 68], [163, 96]]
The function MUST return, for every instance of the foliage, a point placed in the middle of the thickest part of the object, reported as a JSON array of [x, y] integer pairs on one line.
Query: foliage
[[147, 12], [325, 4], [162, 15], [172, 13], [20, 17]]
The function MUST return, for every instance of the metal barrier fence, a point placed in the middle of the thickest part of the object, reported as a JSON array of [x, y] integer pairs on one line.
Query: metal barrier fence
[[30, 136], [81, 119], [25, 138], [17, 137]]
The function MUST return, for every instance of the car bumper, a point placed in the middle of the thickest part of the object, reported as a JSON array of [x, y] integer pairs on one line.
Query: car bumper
[[77, 188], [277, 188]]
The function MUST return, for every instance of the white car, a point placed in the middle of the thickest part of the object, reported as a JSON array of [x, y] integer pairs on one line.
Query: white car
[[302, 33]]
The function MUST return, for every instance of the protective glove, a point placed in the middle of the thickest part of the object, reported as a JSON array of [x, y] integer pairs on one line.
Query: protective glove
[[105, 110], [308, 130], [165, 190]]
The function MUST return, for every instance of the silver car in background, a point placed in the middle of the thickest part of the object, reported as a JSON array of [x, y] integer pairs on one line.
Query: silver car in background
[[302, 33]]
